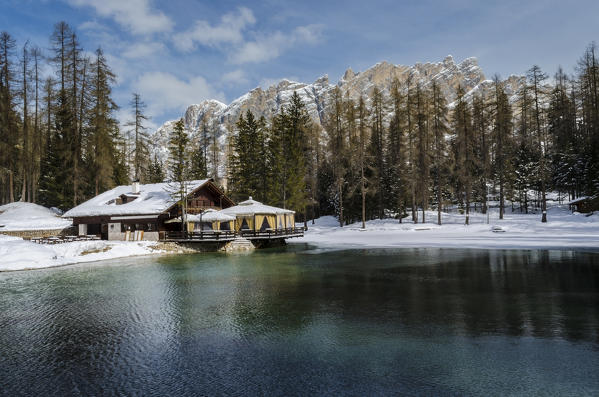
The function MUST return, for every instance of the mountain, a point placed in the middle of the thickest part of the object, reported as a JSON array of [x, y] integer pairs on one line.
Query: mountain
[[212, 115]]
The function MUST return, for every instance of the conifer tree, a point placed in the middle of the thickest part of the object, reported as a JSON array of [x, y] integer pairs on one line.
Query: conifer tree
[[462, 120], [363, 134], [421, 146], [439, 131], [197, 169], [247, 164], [376, 150], [337, 148], [287, 157], [8, 115], [501, 134], [396, 172], [535, 79], [178, 167], [102, 124], [140, 150], [155, 173]]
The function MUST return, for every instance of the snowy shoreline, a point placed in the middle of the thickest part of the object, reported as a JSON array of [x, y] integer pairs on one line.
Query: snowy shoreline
[[17, 254], [564, 231]]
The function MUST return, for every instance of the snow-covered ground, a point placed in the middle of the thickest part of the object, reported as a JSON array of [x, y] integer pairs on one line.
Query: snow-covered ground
[[564, 230], [29, 216], [19, 254]]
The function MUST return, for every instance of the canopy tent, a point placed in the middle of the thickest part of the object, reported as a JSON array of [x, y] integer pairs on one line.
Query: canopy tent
[[253, 215], [211, 220]]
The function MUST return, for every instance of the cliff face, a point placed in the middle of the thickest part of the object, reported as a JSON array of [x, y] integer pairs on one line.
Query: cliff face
[[220, 118]]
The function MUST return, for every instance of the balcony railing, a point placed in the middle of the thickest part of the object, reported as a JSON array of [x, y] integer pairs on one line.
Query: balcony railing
[[227, 235]]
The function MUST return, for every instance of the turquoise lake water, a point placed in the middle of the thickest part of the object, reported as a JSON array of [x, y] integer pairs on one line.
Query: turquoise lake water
[[306, 321]]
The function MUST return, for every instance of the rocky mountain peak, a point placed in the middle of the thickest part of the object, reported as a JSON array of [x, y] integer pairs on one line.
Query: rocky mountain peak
[[266, 102]]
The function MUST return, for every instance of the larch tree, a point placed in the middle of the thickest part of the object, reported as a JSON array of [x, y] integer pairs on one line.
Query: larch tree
[[140, 138], [439, 131], [462, 125], [502, 125]]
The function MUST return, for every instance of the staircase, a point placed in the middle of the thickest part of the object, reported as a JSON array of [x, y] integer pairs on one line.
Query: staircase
[[239, 244]]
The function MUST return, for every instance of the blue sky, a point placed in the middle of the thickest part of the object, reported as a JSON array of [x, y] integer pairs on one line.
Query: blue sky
[[177, 52]]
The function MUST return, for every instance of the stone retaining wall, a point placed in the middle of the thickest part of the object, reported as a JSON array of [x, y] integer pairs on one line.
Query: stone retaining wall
[[42, 233]]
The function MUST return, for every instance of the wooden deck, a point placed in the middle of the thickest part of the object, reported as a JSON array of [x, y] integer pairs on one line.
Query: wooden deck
[[217, 236]]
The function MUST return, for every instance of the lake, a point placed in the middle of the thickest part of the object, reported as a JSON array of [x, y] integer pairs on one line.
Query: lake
[[305, 321]]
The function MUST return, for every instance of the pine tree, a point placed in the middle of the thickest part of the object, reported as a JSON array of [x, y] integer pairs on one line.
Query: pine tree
[[396, 165], [439, 131], [102, 124], [140, 150], [501, 134], [337, 148], [247, 162], [8, 115], [178, 167], [421, 147], [376, 150], [363, 131], [480, 125], [197, 169], [155, 173], [465, 161], [535, 79]]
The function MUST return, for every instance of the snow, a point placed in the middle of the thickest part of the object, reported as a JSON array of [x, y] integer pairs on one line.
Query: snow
[[210, 215], [153, 198], [19, 254], [29, 216], [563, 231], [250, 207]]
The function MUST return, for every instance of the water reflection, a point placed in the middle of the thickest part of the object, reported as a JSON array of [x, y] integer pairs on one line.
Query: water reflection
[[289, 321]]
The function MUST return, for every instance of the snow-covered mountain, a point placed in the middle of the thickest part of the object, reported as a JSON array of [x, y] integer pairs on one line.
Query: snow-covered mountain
[[217, 116]]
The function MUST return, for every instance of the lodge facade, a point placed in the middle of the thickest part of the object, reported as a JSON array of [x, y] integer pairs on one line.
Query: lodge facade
[[149, 212]]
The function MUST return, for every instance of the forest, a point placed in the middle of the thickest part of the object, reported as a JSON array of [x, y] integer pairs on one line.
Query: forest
[[400, 154], [390, 154]]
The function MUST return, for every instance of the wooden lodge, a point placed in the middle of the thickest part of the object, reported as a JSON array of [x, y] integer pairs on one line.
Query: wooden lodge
[[142, 212], [149, 212], [585, 205]]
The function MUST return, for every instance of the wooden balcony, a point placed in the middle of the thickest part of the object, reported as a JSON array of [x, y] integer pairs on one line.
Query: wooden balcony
[[226, 235]]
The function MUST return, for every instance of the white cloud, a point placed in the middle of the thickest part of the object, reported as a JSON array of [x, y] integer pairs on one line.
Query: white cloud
[[237, 76], [267, 47], [134, 15], [164, 92], [228, 31], [142, 50], [230, 34]]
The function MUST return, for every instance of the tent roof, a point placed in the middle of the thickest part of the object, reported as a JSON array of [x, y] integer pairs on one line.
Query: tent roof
[[210, 215], [251, 207]]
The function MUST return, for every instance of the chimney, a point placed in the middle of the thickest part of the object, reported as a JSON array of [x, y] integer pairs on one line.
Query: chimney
[[135, 187]]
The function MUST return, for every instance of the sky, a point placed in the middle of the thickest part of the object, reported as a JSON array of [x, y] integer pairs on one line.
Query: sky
[[175, 53]]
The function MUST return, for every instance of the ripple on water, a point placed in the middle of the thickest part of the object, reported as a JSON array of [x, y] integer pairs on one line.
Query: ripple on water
[[363, 322]]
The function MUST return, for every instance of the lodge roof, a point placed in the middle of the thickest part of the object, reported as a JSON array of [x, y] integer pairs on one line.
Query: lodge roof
[[583, 198], [153, 198]]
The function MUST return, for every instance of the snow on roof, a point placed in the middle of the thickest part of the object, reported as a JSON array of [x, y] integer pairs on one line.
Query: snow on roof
[[582, 198], [153, 198], [250, 207], [210, 215]]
